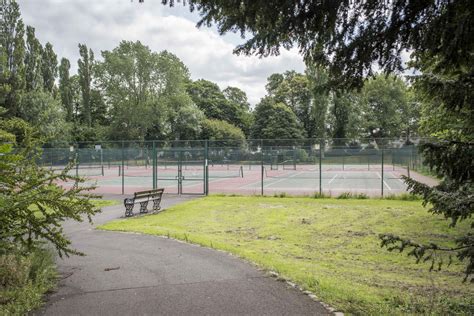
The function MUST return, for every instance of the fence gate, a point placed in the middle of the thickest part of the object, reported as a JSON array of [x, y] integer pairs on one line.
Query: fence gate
[[181, 170]]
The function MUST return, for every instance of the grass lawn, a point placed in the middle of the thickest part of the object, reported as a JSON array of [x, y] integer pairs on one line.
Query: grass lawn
[[328, 246]]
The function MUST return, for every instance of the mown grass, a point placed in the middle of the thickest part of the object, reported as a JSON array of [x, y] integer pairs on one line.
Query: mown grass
[[328, 246]]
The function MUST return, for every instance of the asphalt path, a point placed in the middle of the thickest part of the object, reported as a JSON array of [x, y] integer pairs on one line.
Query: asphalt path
[[134, 274]]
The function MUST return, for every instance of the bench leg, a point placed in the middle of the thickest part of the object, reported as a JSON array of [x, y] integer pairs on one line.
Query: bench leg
[[156, 204], [128, 207], [143, 207]]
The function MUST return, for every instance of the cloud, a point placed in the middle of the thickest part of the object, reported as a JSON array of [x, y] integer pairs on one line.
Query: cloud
[[103, 24]]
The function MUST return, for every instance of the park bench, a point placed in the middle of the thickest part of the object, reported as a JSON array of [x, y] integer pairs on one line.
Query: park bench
[[143, 198]]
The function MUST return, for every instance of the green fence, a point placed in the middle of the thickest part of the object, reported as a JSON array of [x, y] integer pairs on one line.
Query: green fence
[[297, 167]]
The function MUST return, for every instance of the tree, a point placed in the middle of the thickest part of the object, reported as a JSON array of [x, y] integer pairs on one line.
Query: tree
[[85, 66], [65, 88], [33, 205], [385, 103], [213, 129], [44, 113], [237, 96], [344, 118], [146, 94], [318, 124], [12, 56], [209, 98], [293, 90], [33, 61], [49, 67], [275, 121], [351, 39]]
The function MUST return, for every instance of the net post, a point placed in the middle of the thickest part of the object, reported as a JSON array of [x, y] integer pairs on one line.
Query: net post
[[381, 178], [122, 173], [320, 167]]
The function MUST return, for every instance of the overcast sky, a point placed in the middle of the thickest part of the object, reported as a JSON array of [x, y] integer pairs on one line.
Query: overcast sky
[[103, 24]]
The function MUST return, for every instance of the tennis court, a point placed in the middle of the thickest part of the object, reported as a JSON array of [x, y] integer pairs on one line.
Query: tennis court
[[305, 167], [240, 179]]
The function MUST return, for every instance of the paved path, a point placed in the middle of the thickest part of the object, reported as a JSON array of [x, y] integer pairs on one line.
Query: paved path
[[159, 276]]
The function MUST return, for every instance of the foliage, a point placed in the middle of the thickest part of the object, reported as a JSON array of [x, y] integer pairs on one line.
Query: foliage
[[344, 121], [86, 72], [385, 104], [12, 56], [275, 120], [49, 67], [292, 89], [221, 130], [65, 88], [318, 124], [229, 105], [145, 92], [24, 279], [340, 34], [33, 205], [45, 114], [328, 246]]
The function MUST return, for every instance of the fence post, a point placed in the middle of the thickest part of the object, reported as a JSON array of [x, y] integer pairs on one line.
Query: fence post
[[77, 161], [123, 171], [381, 179], [155, 182], [206, 168], [261, 162], [320, 167]]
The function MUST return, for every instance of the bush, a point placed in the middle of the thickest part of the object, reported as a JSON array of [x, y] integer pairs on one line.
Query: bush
[[33, 205], [24, 278]]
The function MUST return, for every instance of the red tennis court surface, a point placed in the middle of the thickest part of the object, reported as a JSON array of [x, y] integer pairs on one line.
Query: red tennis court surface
[[253, 179]]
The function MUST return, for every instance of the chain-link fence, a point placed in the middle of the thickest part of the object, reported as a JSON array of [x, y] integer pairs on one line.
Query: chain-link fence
[[295, 167]]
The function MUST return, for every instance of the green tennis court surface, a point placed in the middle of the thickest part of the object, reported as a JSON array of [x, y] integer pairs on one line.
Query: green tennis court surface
[[240, 179]]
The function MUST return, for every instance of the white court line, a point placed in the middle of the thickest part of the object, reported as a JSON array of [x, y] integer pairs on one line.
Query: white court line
[[384, 181], [283, 179], [333, 178]]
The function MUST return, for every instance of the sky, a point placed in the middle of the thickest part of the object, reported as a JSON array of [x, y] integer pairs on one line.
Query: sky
[[101, 25]]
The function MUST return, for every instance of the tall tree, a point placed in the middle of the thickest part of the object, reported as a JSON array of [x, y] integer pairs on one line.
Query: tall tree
[[85, 71], [385, 103], [318, 124], [12, 55], [237, 96], [209, 98], [240, 107], [146, 93], [33, 61], [49, 67], [65, 88], [293, 90]]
